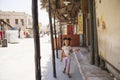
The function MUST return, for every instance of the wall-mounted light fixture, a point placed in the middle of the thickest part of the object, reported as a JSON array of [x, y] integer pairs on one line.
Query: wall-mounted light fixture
[[66, 2], [65, 14]]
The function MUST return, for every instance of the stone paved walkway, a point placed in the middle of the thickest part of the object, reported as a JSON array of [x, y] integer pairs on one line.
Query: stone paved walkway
[[88, 71]]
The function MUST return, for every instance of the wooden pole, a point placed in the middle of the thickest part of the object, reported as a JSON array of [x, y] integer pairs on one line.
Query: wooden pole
[[84, 22], [97, 57], [84, 30], [94, 39], [61, 34], [51, 30], [55, 38], [91, 31], [36, 39]]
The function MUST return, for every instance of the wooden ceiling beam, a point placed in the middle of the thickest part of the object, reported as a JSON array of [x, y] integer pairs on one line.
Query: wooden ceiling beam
[[59, 7]]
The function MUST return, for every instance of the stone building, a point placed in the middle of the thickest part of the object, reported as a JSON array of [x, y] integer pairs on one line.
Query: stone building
[[17, 19]]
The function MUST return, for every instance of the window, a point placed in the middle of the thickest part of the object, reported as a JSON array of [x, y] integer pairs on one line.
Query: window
[[16, 21], [8, 21], [22, 21]]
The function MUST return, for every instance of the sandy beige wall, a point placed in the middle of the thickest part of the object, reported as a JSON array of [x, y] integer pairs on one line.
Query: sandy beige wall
[[108, 26]]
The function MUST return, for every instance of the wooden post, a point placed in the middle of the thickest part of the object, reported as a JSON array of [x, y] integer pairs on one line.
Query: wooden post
[[97, 57], [94, 39], [51, 30], [55, 38], [91, 31], [76, 28], [36, 39], [84, 30], [61, 35]]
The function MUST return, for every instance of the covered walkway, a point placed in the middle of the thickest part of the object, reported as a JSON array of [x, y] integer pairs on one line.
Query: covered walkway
[[89, 20], [88, 71], [48, 73], [89, 23]]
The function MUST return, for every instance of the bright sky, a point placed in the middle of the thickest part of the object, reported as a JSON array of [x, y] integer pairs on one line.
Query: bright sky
[[23, 6]]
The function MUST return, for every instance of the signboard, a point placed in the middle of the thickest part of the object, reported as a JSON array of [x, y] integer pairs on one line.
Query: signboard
[[70, 29], [80, 23]]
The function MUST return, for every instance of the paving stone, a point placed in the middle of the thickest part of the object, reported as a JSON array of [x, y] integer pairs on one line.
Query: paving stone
[[98, 78], [91, 72]]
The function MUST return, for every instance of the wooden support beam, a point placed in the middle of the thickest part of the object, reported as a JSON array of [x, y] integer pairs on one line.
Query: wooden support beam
[[52, 42], [58, 15], [64, 17], [91, 31], [94, 39], [97, 57], [6, 24], [55, 38], [36, 39], [61, 34], [84, 30], [72, 9]]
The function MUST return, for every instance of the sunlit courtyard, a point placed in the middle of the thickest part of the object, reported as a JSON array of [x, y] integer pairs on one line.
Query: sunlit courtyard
[[17, 60]]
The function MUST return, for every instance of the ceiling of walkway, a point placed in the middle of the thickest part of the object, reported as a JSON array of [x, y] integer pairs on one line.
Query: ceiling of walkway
[[64, 10]]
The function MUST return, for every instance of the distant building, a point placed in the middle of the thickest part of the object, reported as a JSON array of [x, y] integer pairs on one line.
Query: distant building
[[17, 19]]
